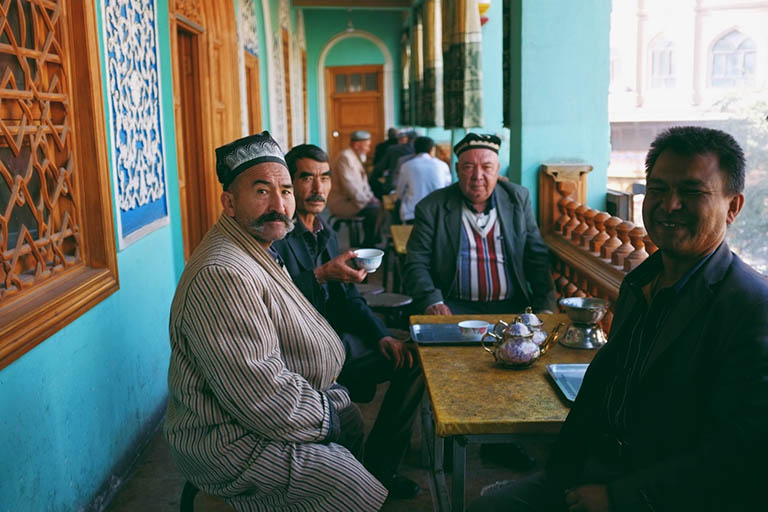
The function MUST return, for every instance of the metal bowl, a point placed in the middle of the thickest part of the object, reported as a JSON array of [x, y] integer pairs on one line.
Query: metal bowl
[[584, 310]]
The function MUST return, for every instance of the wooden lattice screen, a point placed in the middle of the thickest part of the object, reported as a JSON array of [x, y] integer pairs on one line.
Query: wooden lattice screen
[[39, 217]]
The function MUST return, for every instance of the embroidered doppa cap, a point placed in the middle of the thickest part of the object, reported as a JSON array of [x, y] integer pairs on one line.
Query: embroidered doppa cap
[[359, 135], [477, 141], [239, 155]]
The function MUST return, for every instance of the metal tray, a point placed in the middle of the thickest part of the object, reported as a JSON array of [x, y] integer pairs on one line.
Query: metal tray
[[568, 378], [439, 334]]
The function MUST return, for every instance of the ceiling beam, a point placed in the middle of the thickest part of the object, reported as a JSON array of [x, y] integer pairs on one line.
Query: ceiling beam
[[355, 4]]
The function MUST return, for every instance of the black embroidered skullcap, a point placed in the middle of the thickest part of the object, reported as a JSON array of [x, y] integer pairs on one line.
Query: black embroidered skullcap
[[359, 135], [477, 141], [239, 155]]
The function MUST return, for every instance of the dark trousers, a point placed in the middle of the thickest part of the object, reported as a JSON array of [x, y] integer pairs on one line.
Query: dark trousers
[[535, 493], [390, 436], [370, 215]]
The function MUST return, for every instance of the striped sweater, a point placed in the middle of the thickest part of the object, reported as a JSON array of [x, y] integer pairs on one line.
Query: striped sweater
[[251, 366]]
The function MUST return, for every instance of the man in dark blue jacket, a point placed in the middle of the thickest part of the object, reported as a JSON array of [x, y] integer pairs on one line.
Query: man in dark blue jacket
[[311, 256], [673, 411]]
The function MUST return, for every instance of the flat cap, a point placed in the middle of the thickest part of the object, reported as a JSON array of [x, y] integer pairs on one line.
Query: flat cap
[[239, 155], [359, 135], [477, 141]]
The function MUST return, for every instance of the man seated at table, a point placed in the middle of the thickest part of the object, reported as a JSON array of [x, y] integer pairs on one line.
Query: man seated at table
[[384, 175], [325, 277], [352, 195], [673, 411], [419, 176], [475, 245], [254, 413]]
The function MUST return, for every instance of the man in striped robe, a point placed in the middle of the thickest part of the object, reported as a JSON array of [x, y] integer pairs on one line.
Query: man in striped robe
[[254, 413]]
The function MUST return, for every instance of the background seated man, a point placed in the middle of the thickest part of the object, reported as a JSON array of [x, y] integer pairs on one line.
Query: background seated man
[[352, 195], [254, 414], [673, 411], [311, 255], [384, 173], [419, 176], [475, 245]]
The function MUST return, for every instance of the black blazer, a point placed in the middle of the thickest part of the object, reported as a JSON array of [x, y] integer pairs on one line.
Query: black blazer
[[343, 307], [698, 430]]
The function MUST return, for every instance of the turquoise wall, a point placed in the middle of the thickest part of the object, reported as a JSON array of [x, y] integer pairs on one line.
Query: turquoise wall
[[493, 113], [74, 408], [323, 24], [355, 49], [561, 74]]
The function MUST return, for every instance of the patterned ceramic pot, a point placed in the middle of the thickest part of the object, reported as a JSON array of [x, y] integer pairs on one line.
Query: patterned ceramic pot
[[513, 345]]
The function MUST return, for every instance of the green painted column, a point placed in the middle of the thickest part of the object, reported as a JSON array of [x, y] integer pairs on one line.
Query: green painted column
[[559, 65]]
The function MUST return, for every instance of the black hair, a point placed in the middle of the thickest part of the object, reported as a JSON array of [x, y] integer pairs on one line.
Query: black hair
[[697, 140], [423, 145], [304, 151]]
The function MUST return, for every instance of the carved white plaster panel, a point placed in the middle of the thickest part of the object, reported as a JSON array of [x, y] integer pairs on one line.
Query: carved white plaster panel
[[133, 82], [249, 26], [302, 36], [284, 10], [277, 95]]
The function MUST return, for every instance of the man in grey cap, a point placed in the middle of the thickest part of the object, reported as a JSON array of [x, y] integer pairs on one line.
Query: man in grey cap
[[254, 413], [351, 194]]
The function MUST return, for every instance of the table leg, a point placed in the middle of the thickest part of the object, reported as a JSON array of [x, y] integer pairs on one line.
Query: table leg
[[459, 467]]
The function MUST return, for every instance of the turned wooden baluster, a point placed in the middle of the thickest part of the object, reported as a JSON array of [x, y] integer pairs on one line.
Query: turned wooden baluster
[[582, 227], [582, 283], [591, 232], [613, 242], [650, 247], [570, 287], [599, 239], [570, 207], [618, 255], [564, 218], [639, 255], [562, 281]]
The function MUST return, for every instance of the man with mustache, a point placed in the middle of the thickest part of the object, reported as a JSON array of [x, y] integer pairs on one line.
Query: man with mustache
[[673, 410], [312, 258], [254, 414]]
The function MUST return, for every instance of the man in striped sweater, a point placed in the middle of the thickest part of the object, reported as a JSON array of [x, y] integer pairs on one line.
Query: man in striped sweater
[[475, 245], [255, 415]]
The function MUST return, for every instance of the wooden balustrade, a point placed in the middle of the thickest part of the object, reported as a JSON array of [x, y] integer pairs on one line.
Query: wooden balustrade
[[591, 251]]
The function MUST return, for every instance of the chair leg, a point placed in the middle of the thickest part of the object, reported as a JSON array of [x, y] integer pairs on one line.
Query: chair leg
[[188, 497]]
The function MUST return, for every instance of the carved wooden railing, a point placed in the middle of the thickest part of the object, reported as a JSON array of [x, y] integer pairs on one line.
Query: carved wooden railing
[[591, 251]]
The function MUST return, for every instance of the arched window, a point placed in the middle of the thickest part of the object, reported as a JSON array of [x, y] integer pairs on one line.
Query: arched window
[[662, 63], [733, 60]]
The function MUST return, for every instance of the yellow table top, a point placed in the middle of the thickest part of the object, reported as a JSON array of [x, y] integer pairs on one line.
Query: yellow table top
[[470, 394], [400, 235], [388, 201]]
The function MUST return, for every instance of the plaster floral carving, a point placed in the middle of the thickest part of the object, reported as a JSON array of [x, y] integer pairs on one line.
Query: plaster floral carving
[[134, 101], [249, 27], [190, 9], [284, 10], [277, 95]]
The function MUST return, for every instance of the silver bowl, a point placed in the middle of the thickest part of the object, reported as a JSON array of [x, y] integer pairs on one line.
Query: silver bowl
[[584, 310]]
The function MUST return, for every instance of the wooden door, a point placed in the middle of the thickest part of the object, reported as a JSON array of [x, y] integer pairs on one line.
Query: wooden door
[[193, 188], [253, 93], [356, 102]]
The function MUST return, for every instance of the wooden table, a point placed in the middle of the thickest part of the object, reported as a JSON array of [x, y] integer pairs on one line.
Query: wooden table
[[474, 400], [400, 235]]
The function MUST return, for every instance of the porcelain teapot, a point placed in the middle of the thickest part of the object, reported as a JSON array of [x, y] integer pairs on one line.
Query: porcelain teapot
[[513, 344]]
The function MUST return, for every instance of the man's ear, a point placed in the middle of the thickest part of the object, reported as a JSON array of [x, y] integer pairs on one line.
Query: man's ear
[[734, 207], [228, 202]]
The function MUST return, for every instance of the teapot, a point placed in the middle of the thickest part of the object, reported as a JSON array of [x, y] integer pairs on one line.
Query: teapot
[[513, 344], [530, 320]]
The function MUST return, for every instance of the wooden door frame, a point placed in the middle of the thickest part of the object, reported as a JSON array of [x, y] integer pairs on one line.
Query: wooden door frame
[[331, 95]]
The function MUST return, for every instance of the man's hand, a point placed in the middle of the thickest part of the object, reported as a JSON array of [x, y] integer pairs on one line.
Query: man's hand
[[438, 309], [401, 354], [338, 269], [588, 498]]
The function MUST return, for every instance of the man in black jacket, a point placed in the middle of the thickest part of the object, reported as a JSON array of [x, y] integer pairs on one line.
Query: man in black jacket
[[673, 411], [311, 256]]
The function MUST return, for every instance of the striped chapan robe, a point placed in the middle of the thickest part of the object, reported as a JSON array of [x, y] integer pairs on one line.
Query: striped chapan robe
[[251, 366]]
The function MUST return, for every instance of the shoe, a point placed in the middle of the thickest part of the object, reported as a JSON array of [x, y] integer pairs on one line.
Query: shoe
[[400, 487], [509, 455]]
